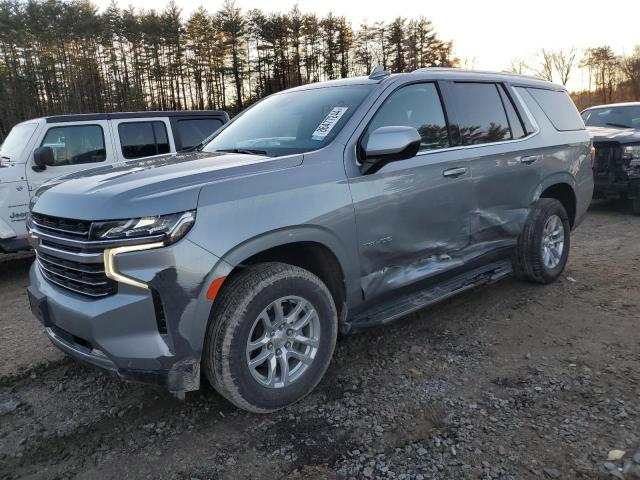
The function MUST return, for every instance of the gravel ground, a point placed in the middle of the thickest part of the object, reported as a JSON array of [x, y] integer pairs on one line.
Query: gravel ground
[[508, 381]]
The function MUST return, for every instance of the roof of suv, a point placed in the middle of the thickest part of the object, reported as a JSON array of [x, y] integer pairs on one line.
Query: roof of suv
[[120, 115], [614, 105], [438, 73]]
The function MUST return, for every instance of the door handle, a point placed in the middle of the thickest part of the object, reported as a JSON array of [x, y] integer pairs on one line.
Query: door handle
[[454, 172], [529, 159]]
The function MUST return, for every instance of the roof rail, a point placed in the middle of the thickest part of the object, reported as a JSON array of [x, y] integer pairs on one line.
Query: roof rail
[[378, 72]]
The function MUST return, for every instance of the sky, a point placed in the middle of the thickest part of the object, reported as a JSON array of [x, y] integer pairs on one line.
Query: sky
[[486, 34]]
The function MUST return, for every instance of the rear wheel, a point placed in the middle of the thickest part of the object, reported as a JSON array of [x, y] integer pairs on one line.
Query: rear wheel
[[271, 337], [543, 245]]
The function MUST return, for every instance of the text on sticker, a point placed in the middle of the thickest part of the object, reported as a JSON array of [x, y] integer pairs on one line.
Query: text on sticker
[[328, 123]]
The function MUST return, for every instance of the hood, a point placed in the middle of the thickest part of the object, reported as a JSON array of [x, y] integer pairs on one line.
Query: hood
[[620, 135], [151, 186]]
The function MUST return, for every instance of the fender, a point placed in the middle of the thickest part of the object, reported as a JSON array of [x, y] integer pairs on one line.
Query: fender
[[289, 235]]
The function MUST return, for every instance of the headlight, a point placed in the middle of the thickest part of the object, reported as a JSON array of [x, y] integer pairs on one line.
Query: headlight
[[170, 227], [631, 152]]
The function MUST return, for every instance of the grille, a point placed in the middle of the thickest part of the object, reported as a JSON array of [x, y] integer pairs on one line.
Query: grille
[[85, 278], [68, 258], [62, 226]]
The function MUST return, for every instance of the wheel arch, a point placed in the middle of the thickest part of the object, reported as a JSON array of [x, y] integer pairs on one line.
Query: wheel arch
[[562, 187], [312, 248]]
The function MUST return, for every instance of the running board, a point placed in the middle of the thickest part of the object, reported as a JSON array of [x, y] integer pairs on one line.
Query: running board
[[408, 303]]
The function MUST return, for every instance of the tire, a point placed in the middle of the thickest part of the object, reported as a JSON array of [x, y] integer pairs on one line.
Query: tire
[[243, 306], [635, 206], [529, 258]]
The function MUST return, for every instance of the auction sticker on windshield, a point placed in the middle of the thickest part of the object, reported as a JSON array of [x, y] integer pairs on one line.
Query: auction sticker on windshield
[[328, 123]]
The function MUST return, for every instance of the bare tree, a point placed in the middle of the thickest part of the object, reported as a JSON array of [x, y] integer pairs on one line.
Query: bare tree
[[518, 66], [564, 61], [545, 69], [630, 65]]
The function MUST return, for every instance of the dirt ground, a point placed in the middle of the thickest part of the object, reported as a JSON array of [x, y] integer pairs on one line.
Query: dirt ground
[[508, 381]]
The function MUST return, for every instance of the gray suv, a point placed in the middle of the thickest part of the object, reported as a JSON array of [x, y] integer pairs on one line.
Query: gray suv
[[324, 208]]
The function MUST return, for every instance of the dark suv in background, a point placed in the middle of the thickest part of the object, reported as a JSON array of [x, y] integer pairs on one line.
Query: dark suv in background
[[616, 135], [332, 206]]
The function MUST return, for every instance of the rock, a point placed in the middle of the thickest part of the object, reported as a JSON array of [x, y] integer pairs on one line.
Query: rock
[[9, 406], [615, 454], [231, 461], [636, 457], [422, 451], [368, 472], [551, 473]]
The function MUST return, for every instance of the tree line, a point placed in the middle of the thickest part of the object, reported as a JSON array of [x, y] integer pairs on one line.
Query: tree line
[[609, 77], [61, 56]]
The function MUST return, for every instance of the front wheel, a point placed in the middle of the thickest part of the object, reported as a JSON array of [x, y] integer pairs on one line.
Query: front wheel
[[543, 245], [271, 337]]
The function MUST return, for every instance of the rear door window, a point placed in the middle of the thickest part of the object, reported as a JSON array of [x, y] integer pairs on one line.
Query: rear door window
[[143, 139], [76, 144], [480, 113], [559, 108], [515, 122], [192, 131]]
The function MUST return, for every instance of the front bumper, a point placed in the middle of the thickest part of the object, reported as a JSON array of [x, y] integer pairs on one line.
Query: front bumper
[[122, 333]]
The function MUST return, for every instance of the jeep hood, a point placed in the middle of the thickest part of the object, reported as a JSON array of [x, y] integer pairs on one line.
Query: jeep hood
[[145, 187], [620, 135]]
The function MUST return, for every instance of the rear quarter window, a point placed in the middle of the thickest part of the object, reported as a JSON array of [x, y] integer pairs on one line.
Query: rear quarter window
[[559, 108]]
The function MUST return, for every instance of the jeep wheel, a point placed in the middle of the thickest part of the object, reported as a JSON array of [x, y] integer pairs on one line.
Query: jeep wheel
[[543, 246], [271, 337]]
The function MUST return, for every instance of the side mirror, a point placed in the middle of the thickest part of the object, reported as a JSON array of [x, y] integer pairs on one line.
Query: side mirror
[[42, 157], [389, 144]]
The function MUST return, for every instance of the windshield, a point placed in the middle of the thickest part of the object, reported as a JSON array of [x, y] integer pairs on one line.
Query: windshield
[[291, 122], [17, 139], [627, 116]]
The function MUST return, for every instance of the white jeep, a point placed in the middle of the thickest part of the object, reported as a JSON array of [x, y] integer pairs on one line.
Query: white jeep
[[38, 150]]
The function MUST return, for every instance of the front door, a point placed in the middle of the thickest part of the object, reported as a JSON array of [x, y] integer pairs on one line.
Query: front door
[[76, 146], [412, 216]]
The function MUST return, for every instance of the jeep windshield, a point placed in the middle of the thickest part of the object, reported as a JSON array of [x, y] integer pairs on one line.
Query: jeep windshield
[[627, 116], [17, 139], [291, 122]]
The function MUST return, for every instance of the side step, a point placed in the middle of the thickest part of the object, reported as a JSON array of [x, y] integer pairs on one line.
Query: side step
[[401, 306]]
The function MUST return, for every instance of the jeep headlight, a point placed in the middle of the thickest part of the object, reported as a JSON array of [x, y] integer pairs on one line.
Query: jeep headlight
[[632, 153], [166, 228]]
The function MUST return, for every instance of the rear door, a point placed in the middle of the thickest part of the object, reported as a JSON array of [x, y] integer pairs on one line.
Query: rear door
[[76, 146], [494, 138], [142, 137]]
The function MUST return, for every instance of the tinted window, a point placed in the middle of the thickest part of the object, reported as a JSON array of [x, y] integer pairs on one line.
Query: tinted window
[[480, 114], [193, 131], [558, 107], [297, 121], [143, 139], [415, 106], [626, 116], [76, 144], [517, 129]]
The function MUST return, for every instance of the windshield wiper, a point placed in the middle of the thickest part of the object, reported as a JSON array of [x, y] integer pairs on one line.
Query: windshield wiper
[[619, 125], [250, 151], [4, 157]]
